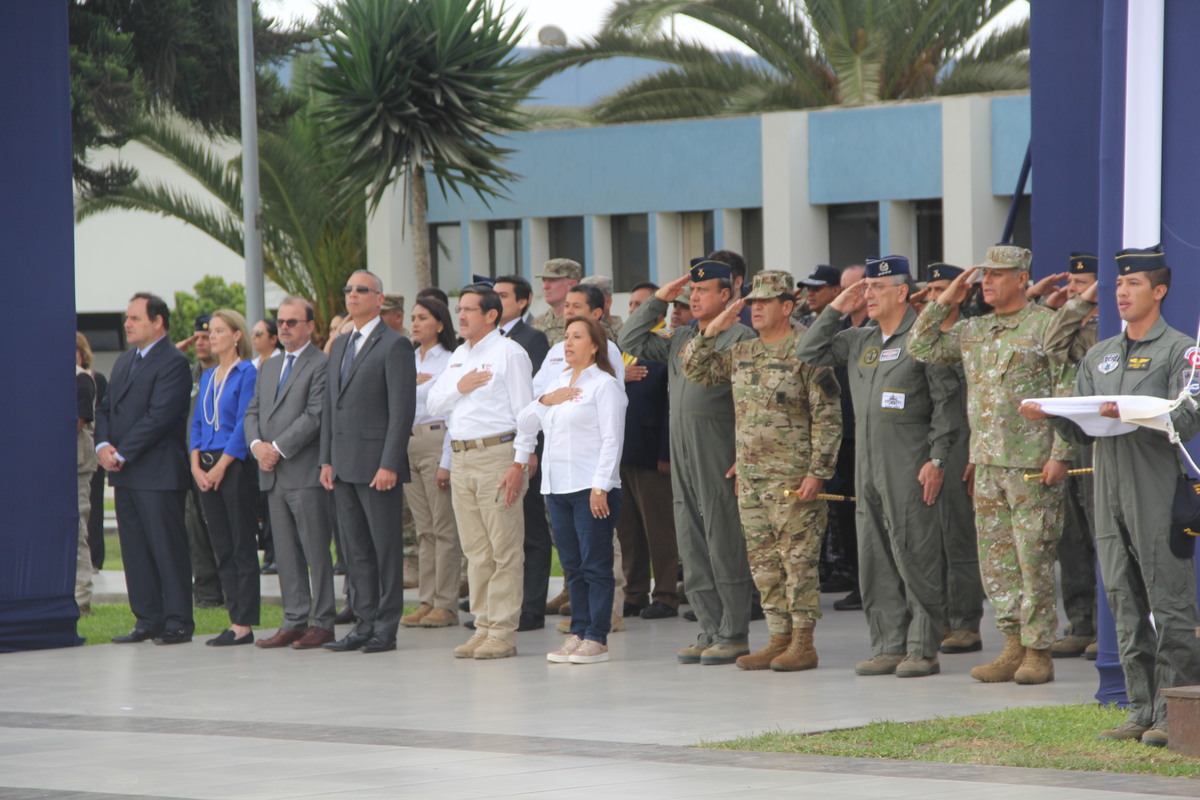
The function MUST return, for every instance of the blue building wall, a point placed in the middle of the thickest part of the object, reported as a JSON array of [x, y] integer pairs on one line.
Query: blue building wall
[[623, 169], [1010, 138]]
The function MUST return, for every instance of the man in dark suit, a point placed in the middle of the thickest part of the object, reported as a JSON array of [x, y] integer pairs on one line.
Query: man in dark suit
[[141, 427], [283, 424], [516, 294], [370, 399]]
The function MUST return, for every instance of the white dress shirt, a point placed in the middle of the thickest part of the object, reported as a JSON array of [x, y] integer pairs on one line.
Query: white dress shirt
[[556, 362], [584, 435], [433, 363], [490, 410]]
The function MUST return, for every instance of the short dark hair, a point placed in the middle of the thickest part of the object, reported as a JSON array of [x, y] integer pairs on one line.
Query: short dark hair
[[441, 313], [594, 294], [434, 291], [651, 285], [1160, 277], [155, 307], [522, 289], [488, 299], [272, 328], [726, 284], [731, 259]]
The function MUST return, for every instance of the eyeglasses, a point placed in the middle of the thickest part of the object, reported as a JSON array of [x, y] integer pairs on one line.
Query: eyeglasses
[[359, 289], [468, 309], [290, 323]]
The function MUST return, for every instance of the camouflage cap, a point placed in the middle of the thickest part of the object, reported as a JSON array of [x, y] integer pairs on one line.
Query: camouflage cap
[[771, 284], [601, 282], [561, 268], [1007, 256], [393, 302]]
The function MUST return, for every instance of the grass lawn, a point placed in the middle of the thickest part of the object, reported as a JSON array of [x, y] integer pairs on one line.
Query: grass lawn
[[1051, 737], [112, 619]]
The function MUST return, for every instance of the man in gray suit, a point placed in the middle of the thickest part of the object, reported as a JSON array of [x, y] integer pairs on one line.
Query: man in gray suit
[[371, 382], [283, 423]]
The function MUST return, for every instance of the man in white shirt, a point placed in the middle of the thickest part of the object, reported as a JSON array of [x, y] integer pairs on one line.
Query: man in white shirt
[[488, 382]]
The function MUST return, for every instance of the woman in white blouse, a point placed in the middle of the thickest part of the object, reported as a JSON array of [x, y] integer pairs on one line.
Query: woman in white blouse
[[583, 416], [428, 495]]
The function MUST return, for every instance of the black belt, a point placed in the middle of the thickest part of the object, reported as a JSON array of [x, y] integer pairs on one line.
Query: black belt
[[209, 458]]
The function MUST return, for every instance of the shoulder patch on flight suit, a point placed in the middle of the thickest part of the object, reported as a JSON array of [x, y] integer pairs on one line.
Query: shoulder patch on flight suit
[[1138, 363], [829, 385], [869, 358], [1108, 363], [1191, 379]]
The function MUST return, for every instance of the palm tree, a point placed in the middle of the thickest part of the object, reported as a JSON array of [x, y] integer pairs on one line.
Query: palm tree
[[809, 53], [312, 240], [412, 86]]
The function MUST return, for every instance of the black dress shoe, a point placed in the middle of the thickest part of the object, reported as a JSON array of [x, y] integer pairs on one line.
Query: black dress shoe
[[227, 638], [837, 585], [528, 622], [658, 610], [756, 612], [269, 569], [339, 568], [464, 604], [344, 617], [633, 609], [135, 635], [690, 615], [851, 602], [378, 644], [172, 637], [469, 624], [351, 641]]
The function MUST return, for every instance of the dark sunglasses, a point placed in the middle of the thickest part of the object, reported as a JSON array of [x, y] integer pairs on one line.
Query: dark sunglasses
[[359, 289], [290, 323]]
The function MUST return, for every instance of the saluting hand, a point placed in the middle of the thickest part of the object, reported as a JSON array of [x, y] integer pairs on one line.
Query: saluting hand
[[1045, 285], [673, 289], [956, 292], [724, 321], [1091, 293], [850, 297]]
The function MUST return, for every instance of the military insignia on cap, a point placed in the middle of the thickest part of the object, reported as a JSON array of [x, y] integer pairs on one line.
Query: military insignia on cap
[[1109, 363], [700, 272]]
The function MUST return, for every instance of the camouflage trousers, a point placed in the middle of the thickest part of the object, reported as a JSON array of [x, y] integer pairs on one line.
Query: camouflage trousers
[[783, 542], [1019, 524]]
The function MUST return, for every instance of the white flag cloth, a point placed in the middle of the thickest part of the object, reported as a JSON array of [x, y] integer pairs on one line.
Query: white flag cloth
[[1136, 411]]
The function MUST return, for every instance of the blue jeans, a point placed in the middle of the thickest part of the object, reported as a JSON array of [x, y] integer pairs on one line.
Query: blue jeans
[[585, 549]]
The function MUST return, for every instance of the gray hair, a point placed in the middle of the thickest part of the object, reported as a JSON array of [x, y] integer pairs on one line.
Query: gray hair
[[295, 300], [378, 280]]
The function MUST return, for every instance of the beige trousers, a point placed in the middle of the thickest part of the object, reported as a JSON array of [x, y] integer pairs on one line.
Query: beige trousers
[[83, 553], [440, 554], [492, 536]]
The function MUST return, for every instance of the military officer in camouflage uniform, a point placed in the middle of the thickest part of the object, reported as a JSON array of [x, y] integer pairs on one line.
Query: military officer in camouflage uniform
[[558, 276], [1018, 522], [1136, 476], [716, 573], [789, 426], [963, 597], [1073, 332], [906, 419]]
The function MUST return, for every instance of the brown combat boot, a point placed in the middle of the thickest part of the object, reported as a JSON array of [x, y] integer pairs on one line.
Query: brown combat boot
[[762, 659], [556, 603], [1036, 668], [800, 653], [1005, 665]]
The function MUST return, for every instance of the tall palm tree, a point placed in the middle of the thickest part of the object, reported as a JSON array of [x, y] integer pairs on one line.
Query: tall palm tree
[[312, 240], [413, 85], [809, 53]]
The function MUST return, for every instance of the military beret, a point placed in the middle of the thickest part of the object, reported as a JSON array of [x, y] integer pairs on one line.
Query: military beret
[[1136, 259], [705, 270], [943, 272], [1084, 263], [771, 284], [886, 266], [202, 322]]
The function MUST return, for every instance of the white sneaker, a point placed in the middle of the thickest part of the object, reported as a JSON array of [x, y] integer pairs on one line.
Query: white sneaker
[[562, 654], [589, 652]]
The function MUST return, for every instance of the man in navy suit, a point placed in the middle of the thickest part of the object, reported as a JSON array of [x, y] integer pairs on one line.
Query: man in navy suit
[[141, 427]]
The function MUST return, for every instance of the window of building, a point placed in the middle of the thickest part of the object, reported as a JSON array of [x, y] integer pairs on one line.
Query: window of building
[[853, 233], [929, 235], [566, 239], [445, 255], [504, 247], [630, 250], [697, 234], [752, 241]]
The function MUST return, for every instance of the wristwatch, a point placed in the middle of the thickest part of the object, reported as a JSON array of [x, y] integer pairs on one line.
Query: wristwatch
[[597, 491], [939, 463], [524, 467]]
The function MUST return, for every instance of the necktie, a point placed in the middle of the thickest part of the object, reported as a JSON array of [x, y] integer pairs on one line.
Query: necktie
[[137, 362], [287, 370], [348, 358]]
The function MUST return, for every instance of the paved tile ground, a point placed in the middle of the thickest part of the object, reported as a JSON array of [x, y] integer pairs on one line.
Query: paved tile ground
[[190, 721]]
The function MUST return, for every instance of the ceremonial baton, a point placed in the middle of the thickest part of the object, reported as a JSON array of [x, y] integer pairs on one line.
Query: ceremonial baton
[[837, 498], [1033, 476]]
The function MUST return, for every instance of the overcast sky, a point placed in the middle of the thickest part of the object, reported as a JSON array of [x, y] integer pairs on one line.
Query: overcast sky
[[582, 18]]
